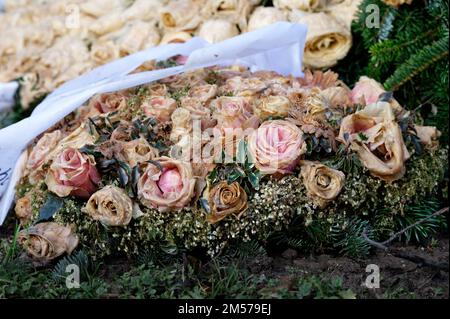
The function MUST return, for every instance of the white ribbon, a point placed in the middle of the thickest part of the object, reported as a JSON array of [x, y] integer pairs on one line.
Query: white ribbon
[[278, 47]]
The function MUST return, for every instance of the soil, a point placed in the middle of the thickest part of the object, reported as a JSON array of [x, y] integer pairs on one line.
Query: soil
[[399, 277]]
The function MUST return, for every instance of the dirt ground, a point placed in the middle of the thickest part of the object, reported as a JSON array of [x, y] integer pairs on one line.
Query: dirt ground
[[399, 277]]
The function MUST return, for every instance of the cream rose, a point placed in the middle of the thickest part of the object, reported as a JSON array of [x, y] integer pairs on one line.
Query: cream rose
[[305, 5], [40, 152], [72, 173], [47, 241], [111, 206], [217, 30], [276, 146], [181, 124], [137, 151], [322, 183], [104, 51], [171, 188], [264, 16], [272, 106], [225, 200], [428, 135], [159, 107]]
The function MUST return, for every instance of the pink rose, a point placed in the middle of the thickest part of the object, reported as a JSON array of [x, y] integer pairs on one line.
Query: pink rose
[[159, 107], [171, 188], [366, 91], [204, 92], [109, 102], [73, 173], [276, 146], [234, 112]]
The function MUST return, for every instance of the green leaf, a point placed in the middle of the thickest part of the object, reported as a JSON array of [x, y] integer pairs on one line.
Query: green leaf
[[234, 176], [362, 137], [254, 179], [52, 205]]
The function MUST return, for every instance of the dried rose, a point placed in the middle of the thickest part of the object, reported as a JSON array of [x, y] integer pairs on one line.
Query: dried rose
[[42, 149], [47, 241], [225, 200], [276, 146], [375, 135], [111, 206], [181, 124], [322, 183], [159, 107], [109, 102], [428, 135], [171, 188], [233, 112], [24, 210], [72, 173], [272, 106], [136, 151]]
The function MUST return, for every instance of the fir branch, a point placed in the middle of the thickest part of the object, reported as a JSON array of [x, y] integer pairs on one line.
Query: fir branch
[[384, 245], [419, 62]]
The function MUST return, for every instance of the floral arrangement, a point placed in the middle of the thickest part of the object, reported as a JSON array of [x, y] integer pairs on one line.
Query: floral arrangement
[[47, 43], [221, 154]]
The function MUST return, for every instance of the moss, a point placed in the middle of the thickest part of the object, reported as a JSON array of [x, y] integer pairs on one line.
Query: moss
[[277, 206]]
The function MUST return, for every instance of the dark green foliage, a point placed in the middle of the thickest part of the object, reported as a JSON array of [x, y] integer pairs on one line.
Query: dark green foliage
[[416, 212], [408, 54], [348, 237], [80, 259]]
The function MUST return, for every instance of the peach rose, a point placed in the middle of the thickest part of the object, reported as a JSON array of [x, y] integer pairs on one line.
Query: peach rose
[[367, 91], [109, 102], [159, 107], [23, 209], [47, 241], [233, 112], [322, 183], [171, 188], [225, 200], [276, 146], [72, 173], [42, 149], [377, 138]]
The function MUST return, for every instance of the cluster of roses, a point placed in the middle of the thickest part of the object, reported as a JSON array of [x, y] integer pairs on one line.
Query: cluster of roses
[[271, 113]]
